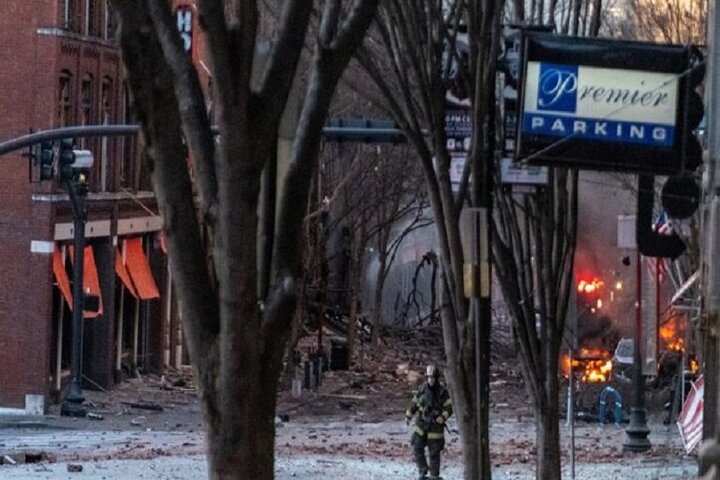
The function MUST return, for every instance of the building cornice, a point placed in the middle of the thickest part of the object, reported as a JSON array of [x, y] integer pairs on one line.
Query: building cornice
[[61, 32]]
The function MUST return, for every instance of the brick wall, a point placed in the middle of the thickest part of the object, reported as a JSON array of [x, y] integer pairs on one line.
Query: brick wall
[[35, 51]]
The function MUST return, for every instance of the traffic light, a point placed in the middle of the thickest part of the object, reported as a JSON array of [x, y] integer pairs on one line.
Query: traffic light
[[362, 130], [694, 111], [73, 161], [45, 158], [66, 157]]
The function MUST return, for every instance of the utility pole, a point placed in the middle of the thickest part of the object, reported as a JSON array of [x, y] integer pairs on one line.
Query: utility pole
[[711, 248]]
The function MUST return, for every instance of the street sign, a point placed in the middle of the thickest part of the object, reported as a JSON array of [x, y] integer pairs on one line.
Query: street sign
[[522, 174]]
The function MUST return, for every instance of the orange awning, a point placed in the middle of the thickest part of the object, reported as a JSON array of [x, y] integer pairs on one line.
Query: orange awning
[[139, 269], [123, 274], [91, 283], [61, 277]]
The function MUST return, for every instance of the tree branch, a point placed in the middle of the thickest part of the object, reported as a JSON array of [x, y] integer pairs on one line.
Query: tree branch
[[149, 80], [195, 122]]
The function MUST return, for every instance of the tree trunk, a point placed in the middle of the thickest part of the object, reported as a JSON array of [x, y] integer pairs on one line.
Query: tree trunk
[[466, 419], [352, 325], [242, 445], [377, 302], [548, 433]]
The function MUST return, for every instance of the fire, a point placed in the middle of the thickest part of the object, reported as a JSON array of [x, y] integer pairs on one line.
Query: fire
[[672, 333], [589, 287], [589, 294], [694, 365], [590, 365]]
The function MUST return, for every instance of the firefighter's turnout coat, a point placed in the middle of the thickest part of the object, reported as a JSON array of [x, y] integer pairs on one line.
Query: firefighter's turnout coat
[[430, 403]]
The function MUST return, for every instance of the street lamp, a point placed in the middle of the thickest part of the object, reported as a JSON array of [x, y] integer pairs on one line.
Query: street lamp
[[74, 168], [638, 431]]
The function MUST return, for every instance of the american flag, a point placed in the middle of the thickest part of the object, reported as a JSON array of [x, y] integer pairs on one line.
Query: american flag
[[662, 226], [690, 421]]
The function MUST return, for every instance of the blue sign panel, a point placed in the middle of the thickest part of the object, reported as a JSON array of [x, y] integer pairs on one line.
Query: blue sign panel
[[557, 88]]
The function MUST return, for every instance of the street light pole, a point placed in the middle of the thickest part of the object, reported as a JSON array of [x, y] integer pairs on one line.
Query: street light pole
[[73, 403], [638, 431]]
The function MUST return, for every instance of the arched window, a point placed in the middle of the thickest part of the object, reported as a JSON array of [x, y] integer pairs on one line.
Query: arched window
[[127, 172], [64, 99], [106, 101], [86, 103], [86, 100], [106, 113]]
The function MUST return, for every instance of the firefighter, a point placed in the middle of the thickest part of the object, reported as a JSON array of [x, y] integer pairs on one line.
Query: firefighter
[[433, 407]]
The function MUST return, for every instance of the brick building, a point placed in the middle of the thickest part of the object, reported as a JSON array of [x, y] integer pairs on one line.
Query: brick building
[[61, 67]]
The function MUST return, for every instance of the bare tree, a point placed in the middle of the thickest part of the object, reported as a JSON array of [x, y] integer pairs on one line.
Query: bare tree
[[533, 251], [400, 210], [405, 58], [533, 237], [237, 337], [375, 196], [673, 21]]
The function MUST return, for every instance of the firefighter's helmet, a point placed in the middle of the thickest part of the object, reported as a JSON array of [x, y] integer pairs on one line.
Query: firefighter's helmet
[[432, 371]]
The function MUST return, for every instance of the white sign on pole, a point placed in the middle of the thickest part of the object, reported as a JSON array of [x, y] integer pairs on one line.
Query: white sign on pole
[[626, 232], [522, 174]]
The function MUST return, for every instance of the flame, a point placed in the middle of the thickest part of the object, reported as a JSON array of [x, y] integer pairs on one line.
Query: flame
[[590, 365], [589, 287], [694, 366], [672, 333]]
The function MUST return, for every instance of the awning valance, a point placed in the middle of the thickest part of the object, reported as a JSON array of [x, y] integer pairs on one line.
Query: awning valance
[[91, 283], [123, 274], [139, 270], [63, 282]]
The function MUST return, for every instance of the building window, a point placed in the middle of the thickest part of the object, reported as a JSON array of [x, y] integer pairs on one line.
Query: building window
[[127, 172], [106, 101], [91, 18], [106, 97], [86, 104], [69, 15], [64, 99], [86, 100], [110, 21]]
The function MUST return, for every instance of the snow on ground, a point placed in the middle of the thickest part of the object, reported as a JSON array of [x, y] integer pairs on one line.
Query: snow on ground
[[322, 450], [325, 467]]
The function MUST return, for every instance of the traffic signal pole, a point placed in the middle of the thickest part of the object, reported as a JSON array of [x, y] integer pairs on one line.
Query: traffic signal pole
[[74, 166], [73, 403], [371, 131]]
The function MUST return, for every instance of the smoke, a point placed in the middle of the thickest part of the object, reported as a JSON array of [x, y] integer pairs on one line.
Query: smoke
[[597, 331]]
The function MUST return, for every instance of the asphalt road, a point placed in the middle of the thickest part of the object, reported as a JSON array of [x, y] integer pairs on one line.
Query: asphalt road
[[325, 451]]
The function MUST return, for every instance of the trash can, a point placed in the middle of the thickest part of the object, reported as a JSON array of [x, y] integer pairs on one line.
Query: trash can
[[339, 355]]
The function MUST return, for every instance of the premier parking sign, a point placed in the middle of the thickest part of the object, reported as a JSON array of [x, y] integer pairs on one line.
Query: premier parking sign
[[602, 104]]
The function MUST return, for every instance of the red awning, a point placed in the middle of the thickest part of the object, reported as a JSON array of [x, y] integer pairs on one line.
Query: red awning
[[61, 277], [91, 283], [139, 269], [123, 274]]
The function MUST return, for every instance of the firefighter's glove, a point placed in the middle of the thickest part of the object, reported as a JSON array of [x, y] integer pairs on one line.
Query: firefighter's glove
[[440, 419]]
